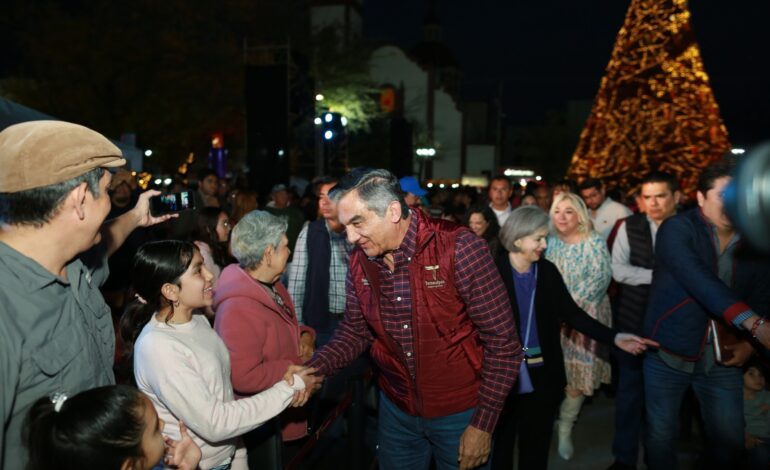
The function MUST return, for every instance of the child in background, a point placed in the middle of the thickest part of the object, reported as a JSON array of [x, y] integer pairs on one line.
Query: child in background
[[111, 428], [756, 410]]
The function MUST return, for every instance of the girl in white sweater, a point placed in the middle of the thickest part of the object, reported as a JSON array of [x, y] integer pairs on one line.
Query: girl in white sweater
[[181, 364]]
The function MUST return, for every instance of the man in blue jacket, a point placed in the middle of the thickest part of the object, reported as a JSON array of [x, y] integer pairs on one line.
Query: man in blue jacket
[[702, 277]]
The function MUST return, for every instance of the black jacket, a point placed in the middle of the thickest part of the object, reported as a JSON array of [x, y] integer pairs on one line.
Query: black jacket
[[553, 304]]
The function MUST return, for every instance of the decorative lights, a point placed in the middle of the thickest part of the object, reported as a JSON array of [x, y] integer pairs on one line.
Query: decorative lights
[[654, 109]]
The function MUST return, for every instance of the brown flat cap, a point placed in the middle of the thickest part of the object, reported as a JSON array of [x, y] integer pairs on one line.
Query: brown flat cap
[[40, 153]]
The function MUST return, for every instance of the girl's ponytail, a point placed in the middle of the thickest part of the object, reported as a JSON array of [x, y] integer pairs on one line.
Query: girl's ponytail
[[39, 434], [155, 264], [134, 318]]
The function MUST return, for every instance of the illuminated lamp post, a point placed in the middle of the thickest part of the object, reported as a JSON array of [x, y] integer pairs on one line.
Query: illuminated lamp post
[[424, 154]]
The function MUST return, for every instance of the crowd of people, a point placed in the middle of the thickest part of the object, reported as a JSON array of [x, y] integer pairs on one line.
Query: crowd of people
[[487, 316]]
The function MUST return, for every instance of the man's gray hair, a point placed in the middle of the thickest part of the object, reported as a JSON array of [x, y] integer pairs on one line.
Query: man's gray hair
[[376, 188], [521, 223], [37, 206], [251, 236]]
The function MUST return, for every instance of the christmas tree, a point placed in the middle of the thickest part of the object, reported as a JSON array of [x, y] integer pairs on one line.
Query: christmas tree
[[655, 109]]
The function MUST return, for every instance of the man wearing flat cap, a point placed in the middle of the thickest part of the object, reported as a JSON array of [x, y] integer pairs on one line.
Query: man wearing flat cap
[[56, 332]]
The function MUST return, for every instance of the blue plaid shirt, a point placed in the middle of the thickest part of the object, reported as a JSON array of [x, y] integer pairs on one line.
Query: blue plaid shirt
[[338, 270]]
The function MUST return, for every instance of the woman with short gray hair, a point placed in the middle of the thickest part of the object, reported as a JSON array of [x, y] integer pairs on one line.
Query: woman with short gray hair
[[254, 234], [540, 302], [255, 317]]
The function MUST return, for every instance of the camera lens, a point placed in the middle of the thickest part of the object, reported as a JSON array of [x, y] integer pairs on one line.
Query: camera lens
[[747, 198]]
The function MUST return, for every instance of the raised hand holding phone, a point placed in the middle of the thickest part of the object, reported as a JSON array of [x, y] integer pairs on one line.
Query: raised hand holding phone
[[171, 203]]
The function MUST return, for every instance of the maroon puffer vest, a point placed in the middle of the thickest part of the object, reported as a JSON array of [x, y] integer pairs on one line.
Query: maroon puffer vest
[[448, 354]]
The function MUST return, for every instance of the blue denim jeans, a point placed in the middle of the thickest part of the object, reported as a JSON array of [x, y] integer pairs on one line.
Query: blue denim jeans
[[759, 456], [629, 408], [720, 395], [409, 442]]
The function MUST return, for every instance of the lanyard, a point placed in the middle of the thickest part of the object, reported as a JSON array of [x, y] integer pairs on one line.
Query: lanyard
[[531, 309]]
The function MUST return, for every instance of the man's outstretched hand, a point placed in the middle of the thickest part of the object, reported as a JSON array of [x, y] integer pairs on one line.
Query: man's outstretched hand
[[312, 383]]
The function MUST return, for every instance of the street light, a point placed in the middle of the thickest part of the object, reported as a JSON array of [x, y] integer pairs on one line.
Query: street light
[[328, 135], [328, 117], [319, 97], [317, 121], [148, 153], [738, 151]]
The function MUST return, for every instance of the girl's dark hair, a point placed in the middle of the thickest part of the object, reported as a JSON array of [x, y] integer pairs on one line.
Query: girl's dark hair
[[206, 231], [155, 264], [494, 227], [98, 428]]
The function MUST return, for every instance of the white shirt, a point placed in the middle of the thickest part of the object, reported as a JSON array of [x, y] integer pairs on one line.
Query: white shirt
[[184, 369], [622, 269], [606, 216], [502, 215]]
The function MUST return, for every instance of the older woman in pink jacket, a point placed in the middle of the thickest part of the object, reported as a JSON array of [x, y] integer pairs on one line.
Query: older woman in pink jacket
[[255, 316]]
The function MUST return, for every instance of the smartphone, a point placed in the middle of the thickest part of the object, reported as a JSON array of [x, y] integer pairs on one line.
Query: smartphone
[[171, 202]]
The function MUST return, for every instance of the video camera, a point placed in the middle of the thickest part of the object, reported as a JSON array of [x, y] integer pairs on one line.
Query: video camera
[[747, 197]]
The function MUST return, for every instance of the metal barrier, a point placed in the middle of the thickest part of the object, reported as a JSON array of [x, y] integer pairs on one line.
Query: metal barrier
[[353, 401]]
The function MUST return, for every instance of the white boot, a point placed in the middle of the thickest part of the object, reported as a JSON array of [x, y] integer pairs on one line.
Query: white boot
[[568, 413]]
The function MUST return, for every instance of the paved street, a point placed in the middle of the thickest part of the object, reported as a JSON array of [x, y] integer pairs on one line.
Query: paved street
[[593, 440]]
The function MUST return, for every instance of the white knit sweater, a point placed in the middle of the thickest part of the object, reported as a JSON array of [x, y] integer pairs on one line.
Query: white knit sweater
[[185, 371]]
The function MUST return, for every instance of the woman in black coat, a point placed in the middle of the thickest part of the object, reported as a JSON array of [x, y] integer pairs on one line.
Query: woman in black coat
[[540, 302]]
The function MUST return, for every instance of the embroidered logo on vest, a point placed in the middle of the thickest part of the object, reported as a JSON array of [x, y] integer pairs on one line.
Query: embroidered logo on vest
[[436, 282]]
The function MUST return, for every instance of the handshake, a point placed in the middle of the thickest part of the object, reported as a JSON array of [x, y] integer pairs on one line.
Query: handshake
[[312, 383]]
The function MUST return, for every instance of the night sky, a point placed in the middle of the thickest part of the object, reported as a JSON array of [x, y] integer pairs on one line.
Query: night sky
[[547, 52]]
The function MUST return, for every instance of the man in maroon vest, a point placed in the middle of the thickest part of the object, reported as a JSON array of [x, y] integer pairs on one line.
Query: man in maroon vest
[[424, 294]]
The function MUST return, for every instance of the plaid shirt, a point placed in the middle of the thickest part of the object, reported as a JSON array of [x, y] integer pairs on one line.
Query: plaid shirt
[[478, 283], [338, 270]]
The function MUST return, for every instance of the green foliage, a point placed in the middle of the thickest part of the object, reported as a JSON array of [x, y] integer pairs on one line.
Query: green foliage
[[342, 76]]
